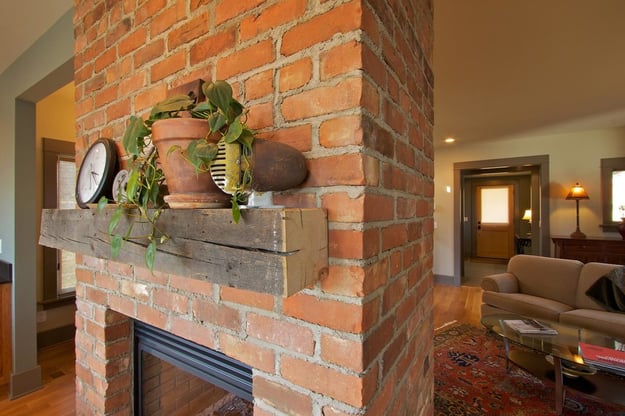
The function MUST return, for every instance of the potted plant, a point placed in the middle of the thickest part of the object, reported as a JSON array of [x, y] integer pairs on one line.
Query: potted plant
[[177, 144], [189, 133], [143, 191]]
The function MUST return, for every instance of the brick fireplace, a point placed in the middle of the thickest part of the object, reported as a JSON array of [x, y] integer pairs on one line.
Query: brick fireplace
[[349, 84]]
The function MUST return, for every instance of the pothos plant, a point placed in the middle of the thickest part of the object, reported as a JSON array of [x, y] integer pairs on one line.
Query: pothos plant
[[225, 116]]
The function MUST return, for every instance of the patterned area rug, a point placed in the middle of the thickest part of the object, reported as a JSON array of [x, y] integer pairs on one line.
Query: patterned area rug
[[471, 379]]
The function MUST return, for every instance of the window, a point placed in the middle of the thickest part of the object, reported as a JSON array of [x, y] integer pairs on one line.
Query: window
[[612, 191], [59, 170], [494, 205], [66, 185]]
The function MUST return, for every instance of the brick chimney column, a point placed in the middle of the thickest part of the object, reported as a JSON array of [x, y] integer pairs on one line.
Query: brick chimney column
[[347, 82]]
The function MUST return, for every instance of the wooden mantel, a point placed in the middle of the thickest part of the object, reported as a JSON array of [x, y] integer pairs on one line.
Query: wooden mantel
[[277, 250]]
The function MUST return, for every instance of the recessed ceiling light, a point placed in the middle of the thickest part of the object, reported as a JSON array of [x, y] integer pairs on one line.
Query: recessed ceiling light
[[450, 140]]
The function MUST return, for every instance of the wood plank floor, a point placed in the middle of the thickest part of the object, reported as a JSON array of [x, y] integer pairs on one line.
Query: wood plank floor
[[56, 398]]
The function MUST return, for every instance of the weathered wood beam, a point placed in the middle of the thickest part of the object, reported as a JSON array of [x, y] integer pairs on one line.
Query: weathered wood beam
[[275, 251]]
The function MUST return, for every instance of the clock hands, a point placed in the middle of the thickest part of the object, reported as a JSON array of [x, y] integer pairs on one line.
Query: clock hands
[[94, 175]]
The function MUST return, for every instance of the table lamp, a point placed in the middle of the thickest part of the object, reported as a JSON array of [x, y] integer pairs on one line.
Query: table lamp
[[576, 193]]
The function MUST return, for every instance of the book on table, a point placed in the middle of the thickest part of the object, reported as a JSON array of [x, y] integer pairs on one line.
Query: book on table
[[602, 356], [530, 326]]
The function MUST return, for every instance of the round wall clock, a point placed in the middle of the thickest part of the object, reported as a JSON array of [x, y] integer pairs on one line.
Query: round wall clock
[[96, 173], [119, 186]]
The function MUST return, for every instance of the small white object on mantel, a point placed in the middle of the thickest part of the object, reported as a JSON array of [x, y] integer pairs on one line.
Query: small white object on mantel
[[261, 200]]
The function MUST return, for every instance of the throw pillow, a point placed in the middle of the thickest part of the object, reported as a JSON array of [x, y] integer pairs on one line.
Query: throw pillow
[[609, 290]]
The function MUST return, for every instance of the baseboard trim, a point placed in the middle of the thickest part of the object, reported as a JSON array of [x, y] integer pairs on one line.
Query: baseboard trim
[[55, 336], [441, 279], [25, 382]]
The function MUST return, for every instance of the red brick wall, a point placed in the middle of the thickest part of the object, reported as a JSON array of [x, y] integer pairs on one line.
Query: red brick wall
[[349, 83]]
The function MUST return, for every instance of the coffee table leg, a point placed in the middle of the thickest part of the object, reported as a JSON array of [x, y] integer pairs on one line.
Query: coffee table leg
[[557, 367], [506, 345]]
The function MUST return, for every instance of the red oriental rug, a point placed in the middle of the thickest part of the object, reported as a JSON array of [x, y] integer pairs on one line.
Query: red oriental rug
[[471, 379]]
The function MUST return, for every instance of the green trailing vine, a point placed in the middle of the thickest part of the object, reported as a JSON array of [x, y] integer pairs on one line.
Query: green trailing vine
[[225, 116]]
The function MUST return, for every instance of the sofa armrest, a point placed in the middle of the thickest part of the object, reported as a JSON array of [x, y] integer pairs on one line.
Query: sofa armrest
[[502, 282]]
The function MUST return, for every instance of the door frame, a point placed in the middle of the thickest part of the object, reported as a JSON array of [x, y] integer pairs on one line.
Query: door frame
[[540, 193]]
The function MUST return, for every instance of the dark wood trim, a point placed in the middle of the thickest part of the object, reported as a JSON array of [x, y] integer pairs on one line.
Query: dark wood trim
[[608, 166], [540, 162], [55, 336], [59, 301]]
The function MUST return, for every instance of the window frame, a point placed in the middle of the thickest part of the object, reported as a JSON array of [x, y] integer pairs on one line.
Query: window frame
[[609, 165], [53, 151]]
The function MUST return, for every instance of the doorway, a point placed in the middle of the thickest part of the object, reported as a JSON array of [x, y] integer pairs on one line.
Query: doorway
[[526, 181]]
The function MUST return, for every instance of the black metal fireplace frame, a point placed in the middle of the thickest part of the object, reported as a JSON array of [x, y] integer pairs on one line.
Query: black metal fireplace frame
[[203, 362]]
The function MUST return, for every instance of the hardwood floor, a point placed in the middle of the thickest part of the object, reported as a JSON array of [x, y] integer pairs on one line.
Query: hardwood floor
[[56, 398], [456, 303]]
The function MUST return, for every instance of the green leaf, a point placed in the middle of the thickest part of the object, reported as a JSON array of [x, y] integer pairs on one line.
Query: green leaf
[[172, 104], [117, 215], [102, 203], [136, 130], [192, 153], [201, 153], [203, 110], [235, 110], [150, 255], [216, 121], [153, 194], [234, 131], [116, 245], [236, 209], [219, 93], [246, 139], [132, 187]]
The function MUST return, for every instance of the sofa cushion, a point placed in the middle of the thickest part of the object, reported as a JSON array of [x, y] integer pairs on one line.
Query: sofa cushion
[[528, 305], [591, 272], [547, 277], [609, 323]]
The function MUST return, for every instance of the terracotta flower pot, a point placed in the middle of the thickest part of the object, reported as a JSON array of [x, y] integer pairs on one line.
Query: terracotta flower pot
[[187, 189]]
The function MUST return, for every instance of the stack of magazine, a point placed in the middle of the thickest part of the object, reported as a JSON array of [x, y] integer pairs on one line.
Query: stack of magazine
[[529, 326], [603, 357]]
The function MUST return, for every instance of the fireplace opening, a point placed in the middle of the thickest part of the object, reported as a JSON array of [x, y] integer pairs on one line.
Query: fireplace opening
[[174, 376]]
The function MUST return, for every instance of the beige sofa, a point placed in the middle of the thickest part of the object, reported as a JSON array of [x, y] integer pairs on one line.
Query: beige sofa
[[552, 289]]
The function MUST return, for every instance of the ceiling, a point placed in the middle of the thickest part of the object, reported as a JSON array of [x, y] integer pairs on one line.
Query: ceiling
[[526, 67], [23, 22], [502, 69]]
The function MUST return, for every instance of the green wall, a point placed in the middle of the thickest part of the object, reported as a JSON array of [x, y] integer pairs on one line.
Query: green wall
[[44, 67]]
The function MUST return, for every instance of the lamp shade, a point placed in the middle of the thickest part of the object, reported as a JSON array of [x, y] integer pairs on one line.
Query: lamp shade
[[527, 216], [577, 192]]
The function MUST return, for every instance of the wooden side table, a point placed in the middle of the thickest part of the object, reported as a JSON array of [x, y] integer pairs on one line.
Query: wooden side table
[[603, 250]]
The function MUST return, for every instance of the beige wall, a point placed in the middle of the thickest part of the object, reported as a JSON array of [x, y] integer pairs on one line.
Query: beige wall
[[573, 157]]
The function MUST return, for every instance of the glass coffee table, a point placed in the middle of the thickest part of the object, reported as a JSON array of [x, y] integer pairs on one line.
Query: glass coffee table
[[558, 357]]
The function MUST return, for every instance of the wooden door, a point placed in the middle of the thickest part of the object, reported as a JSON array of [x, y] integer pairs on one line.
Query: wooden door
[[495, 228]]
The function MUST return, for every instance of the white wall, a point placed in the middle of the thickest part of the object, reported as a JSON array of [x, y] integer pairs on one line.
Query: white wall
[[573, 157]]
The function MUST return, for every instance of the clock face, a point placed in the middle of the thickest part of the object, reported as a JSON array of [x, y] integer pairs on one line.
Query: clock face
[[96, 173], [119, 186]]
